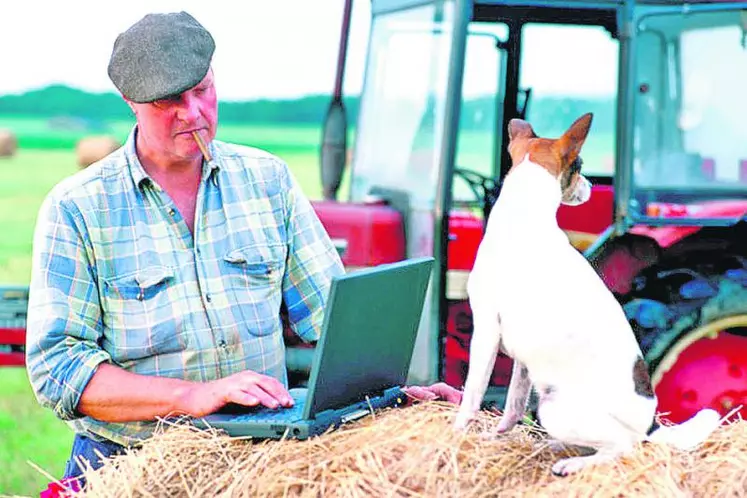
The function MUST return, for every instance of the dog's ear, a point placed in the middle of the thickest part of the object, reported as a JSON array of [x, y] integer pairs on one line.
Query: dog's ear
[[569, 145], [520, 128]]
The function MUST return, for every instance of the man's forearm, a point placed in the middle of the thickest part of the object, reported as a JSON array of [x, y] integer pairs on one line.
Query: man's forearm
[[116, 395]]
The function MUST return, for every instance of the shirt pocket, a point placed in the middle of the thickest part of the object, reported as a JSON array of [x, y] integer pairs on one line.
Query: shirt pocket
[[140, 314], [254, 288]]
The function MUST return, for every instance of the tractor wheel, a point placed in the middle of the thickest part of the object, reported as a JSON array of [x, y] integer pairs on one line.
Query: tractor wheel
[[692, 328]]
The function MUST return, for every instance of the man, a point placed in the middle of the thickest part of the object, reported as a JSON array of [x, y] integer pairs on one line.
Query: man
[[159, 274]]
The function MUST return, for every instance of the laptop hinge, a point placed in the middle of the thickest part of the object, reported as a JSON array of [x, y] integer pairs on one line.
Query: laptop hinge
[[392, 396]]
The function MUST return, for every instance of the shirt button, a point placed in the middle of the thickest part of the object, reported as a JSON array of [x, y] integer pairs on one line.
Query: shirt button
[[172, 211], [208, 298]]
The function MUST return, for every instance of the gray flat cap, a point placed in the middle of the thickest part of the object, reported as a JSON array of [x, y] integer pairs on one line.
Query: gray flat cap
[[159, 56]]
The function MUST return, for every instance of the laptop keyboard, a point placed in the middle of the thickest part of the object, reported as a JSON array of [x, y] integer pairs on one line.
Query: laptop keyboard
[[265, 414]]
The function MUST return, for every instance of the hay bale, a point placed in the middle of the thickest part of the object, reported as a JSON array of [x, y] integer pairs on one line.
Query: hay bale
[[411, 452], [8, 143], [90, 149]]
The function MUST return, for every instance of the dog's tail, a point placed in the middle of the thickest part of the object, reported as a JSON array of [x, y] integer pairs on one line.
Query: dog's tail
[[688, 434]]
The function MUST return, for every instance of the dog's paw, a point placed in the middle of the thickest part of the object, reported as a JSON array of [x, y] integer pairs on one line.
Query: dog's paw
[[490, 434], [506, 423], [462, 420], [568, 466]]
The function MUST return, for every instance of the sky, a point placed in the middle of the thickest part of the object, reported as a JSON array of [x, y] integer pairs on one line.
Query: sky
[[262, 51]]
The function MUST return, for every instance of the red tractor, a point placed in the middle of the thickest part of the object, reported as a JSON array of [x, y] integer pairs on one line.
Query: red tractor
[[667, 154]]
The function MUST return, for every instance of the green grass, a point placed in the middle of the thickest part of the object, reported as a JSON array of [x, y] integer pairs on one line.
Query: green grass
[[28, 434], [24, 181], [36, 133]]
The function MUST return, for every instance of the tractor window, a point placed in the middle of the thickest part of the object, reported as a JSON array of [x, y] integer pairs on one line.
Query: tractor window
[[398, 139], [479, 138], [691, 142], [571, 70]]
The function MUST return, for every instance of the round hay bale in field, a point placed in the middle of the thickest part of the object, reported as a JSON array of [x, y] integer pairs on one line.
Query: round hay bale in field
[[411, 452], [88, 150], [8, 143]]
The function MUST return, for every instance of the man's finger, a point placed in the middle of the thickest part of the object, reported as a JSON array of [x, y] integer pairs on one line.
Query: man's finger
[[439, 390], [269, 386], [420, 393], [243, 398], [447, 393], [275, 389], [253, 396]]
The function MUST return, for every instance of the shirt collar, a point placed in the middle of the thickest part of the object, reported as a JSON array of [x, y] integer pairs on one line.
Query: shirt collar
[[139, 175]]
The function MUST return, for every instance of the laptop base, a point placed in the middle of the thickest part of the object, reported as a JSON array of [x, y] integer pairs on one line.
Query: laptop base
[[278, 426]]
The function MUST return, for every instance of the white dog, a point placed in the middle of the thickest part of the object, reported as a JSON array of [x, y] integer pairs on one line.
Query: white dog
[[537, 297]]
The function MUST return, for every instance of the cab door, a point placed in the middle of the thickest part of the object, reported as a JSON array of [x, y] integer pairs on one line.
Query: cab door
[[405, 132]]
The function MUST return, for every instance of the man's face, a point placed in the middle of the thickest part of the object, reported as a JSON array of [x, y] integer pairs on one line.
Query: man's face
[[165, 126]]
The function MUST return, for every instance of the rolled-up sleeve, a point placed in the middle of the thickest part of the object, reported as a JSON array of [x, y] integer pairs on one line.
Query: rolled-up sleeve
[[312, 262], [64, 316]]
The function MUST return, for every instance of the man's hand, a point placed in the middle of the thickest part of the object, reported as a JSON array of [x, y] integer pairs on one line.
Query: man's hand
[[440, 390], [116, 395], [244, 388]]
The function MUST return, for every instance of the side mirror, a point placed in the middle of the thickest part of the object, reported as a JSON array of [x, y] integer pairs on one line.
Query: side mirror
[[335, 133], [334, 148]]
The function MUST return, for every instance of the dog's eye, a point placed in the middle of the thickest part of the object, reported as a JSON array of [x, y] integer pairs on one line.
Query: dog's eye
[[568, 179], [575, 166]]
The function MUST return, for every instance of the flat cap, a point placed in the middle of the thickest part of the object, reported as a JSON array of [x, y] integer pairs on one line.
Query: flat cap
[[159, 56]]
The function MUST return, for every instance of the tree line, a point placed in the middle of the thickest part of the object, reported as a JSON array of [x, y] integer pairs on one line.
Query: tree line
[[546, 113]]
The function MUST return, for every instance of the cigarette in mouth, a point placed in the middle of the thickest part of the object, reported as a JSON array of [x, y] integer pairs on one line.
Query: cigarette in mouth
[[202, 146]]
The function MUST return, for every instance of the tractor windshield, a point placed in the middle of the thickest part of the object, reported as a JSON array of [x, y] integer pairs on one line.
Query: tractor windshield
[[398, 136], [690, 139]]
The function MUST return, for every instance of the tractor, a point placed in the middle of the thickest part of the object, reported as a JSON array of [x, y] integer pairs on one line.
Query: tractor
[[667, 154]]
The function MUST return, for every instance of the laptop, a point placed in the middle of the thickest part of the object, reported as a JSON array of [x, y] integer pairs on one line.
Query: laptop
[[361, 359]]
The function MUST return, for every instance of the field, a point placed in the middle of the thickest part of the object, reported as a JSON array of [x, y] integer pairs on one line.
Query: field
[[46, 156], [28, 434]]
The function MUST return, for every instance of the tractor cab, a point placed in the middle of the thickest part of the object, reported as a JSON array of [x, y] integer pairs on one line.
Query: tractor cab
[[667, 153]]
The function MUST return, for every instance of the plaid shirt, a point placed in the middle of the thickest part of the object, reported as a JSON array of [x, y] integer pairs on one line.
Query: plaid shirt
[[118, 277]]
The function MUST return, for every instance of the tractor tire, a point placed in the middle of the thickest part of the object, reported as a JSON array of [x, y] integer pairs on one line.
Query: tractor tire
[[691, 324]]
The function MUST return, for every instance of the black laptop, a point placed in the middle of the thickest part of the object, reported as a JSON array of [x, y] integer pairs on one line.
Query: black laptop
[[361, 360]]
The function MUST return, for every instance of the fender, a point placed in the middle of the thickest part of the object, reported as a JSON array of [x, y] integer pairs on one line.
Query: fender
[[667, 236]]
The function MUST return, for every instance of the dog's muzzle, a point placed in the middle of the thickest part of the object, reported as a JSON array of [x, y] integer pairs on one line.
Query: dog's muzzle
[[580, 194]]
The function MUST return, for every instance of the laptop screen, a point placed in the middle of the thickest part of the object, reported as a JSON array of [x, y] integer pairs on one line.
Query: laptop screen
[[370, 326]]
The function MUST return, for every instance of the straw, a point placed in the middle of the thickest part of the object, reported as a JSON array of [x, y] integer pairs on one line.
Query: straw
[[412, 452]]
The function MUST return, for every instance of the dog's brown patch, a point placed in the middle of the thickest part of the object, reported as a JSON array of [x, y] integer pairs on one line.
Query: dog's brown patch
[[641, 379], [540, 151], [555, 155]]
